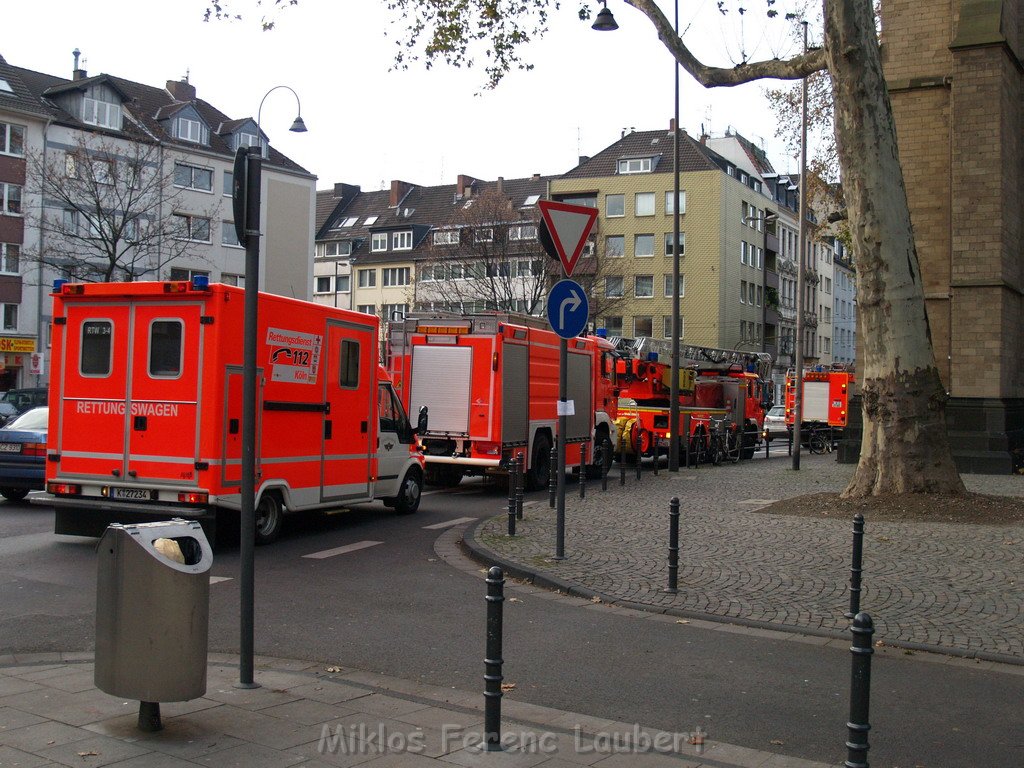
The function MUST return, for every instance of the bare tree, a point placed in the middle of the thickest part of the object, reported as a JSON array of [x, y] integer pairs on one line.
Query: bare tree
[[107, 211]]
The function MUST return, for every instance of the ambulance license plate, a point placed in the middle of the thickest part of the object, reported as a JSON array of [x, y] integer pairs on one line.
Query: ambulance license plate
[[132, 494]]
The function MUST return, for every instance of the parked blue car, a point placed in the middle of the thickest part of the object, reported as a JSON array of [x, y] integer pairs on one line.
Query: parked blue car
[[23, 454]]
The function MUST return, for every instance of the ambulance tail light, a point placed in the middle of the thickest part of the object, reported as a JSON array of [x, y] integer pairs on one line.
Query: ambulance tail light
[[194, 497], [488, 449], [64, 489], [33, 449]]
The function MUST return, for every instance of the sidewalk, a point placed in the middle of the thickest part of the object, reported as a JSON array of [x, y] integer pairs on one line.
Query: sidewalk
[[950, 588], [317, 715]]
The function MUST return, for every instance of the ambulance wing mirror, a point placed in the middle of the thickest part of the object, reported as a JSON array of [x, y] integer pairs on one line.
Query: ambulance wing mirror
[[421, 422]]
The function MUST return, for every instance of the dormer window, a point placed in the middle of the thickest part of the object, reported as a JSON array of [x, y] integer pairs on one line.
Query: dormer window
[[247, 140], [105, 114], [190, 130], [635, 165]]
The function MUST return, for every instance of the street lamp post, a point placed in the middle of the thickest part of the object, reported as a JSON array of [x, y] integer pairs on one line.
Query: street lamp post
[[798, 404], [247, 534], [605, 22]]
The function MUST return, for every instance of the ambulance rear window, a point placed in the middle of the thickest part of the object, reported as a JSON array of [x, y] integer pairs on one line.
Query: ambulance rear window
[[95, 354], [165, 348], [349, 374]]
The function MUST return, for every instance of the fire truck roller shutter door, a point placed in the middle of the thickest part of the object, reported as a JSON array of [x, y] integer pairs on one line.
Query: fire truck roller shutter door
[[580, 381], [441, 380], [515, 393]]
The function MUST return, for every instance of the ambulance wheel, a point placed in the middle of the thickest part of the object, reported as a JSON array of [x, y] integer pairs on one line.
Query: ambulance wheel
[[539, 474], [14, 494], [408, 499], [269, 519]]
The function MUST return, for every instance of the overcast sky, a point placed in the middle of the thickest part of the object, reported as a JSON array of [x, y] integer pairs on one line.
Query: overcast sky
[[368, 125]]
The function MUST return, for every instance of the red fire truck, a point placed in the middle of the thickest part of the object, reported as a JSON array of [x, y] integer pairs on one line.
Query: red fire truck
[[718, 388], [491, 384], [826, 397], [146, 408]]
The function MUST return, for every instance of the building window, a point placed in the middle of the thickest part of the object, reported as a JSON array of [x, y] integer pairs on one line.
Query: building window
[[743, 291], [499, 269], [644, 202], [485, 235], [668, 243], [529, 268], [323, 285], [335, 248], [643, 325], [184, 273], [105, 114], [760, 296], [402, 241], [613, 325], [643, 246], [190, 130], [615, 246], [10, 198], [446, 237], [9, 258], [744, 258], [379, 242], [194, 228], [10, 317], [229, 183], [396, 276], [12, 139], [613, 287], [750, 294], [669, 208], [231, 279], [668, 285], [191, 177], [342, 283], [522, 232], [370, 220], [614, 205], [587, 201], [668, 326], [643, 287], [246, 140], [367, 278], [228, 236], [635, 165], [394, 312], [367, 309]]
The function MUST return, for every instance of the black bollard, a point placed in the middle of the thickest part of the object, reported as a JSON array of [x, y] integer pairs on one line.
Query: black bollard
[[512, 497], [657, 456], [520, 485], [603, 448], [583, 470], [639, 460], [673, 546], [767, 442], [855, 565], [860, 692], [493, 662], [622, 467], [553, 478], [149, 717]]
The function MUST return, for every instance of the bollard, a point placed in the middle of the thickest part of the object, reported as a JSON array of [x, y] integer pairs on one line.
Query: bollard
[[657, 456], [149, 717], [860, 692], [789, 430], [767, 442], [604, 447], [512, 497], [639, 462], [622, 468], [673, 546], [855, 565], [685, 437], [493, 662], [583, 471], [553, 478], [520, 485]]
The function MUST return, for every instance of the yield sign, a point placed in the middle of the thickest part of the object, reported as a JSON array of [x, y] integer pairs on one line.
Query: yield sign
[[569, 227]]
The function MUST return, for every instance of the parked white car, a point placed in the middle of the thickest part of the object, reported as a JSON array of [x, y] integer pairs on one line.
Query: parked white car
[[775, 423]]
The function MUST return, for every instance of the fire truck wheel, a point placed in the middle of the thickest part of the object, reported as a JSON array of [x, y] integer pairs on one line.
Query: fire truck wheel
[[538, 475], [269, 519], [444, 476], [408, 499], [749, 441], [14, 494]]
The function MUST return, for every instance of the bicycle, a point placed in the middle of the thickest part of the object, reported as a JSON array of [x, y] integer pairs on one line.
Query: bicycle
[[725, 443], [821, 441]]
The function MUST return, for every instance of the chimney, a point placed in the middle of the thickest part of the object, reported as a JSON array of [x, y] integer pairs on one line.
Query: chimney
[[535, 177], [76, 73], [399, 189], [671, 127], [464, 186], [582, 159], [501, 184], [181, 90]]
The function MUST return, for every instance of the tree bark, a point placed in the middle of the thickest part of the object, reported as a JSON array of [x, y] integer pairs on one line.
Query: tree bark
[[905, 448]]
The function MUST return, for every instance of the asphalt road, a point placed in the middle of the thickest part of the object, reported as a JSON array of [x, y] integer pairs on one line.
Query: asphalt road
[[395, 607]]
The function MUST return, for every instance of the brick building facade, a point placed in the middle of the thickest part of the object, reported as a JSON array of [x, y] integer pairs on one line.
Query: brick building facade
[[956, 81]]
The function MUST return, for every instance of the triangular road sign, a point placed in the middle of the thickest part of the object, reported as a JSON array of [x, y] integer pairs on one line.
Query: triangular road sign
[[569, 227]]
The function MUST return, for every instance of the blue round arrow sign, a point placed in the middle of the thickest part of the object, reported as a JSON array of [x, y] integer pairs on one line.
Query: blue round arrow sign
[[568, 309]]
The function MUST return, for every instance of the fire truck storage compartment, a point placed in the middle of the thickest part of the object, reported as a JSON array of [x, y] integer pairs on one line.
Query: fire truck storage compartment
[[515, 393], [441, 379], [815, 405], [577, 426]]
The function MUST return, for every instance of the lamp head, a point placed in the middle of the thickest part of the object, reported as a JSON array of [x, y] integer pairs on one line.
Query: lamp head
[[298, 126], [605, 22]]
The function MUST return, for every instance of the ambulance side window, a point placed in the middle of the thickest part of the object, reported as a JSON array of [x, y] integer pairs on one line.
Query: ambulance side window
[[97, 336], [348, 374], [165, 349], [389, 418]]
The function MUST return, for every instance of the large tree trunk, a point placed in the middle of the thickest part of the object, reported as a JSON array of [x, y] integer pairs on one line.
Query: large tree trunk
[[905, 448]]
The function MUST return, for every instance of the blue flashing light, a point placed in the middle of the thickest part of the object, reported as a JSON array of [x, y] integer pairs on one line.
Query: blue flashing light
[[58, 284], [200, 282], [601, 333], [652, 357]]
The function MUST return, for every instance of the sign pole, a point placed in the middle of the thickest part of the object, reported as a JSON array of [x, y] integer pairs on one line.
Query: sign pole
[[563, 393]]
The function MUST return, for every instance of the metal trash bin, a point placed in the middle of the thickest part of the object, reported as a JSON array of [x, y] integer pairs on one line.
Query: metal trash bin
[[152, 611]]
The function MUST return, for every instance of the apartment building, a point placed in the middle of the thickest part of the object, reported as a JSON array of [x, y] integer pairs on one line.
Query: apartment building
[[109, 179]]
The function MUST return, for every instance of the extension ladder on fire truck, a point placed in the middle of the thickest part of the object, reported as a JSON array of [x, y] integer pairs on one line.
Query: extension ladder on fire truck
[[692, 354]]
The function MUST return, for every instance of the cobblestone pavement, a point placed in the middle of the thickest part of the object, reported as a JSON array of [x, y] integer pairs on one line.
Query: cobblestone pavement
[[943, 586]]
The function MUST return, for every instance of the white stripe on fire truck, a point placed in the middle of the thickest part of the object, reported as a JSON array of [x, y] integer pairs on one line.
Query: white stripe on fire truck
[[342, 550]]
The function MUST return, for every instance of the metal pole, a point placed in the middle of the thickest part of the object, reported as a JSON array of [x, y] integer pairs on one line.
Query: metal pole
[[552, 479], [604, 447], [250, 340], [860, 692], [520, 482], [855, 565], [798, 405], [512, 497], [673, 545], [673, 450], [583, 470], [563, 392], [493, 662], [657, 456]]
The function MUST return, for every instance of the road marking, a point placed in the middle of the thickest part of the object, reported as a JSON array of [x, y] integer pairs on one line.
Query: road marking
[[449, 524], [343, 550], [219, 579]]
